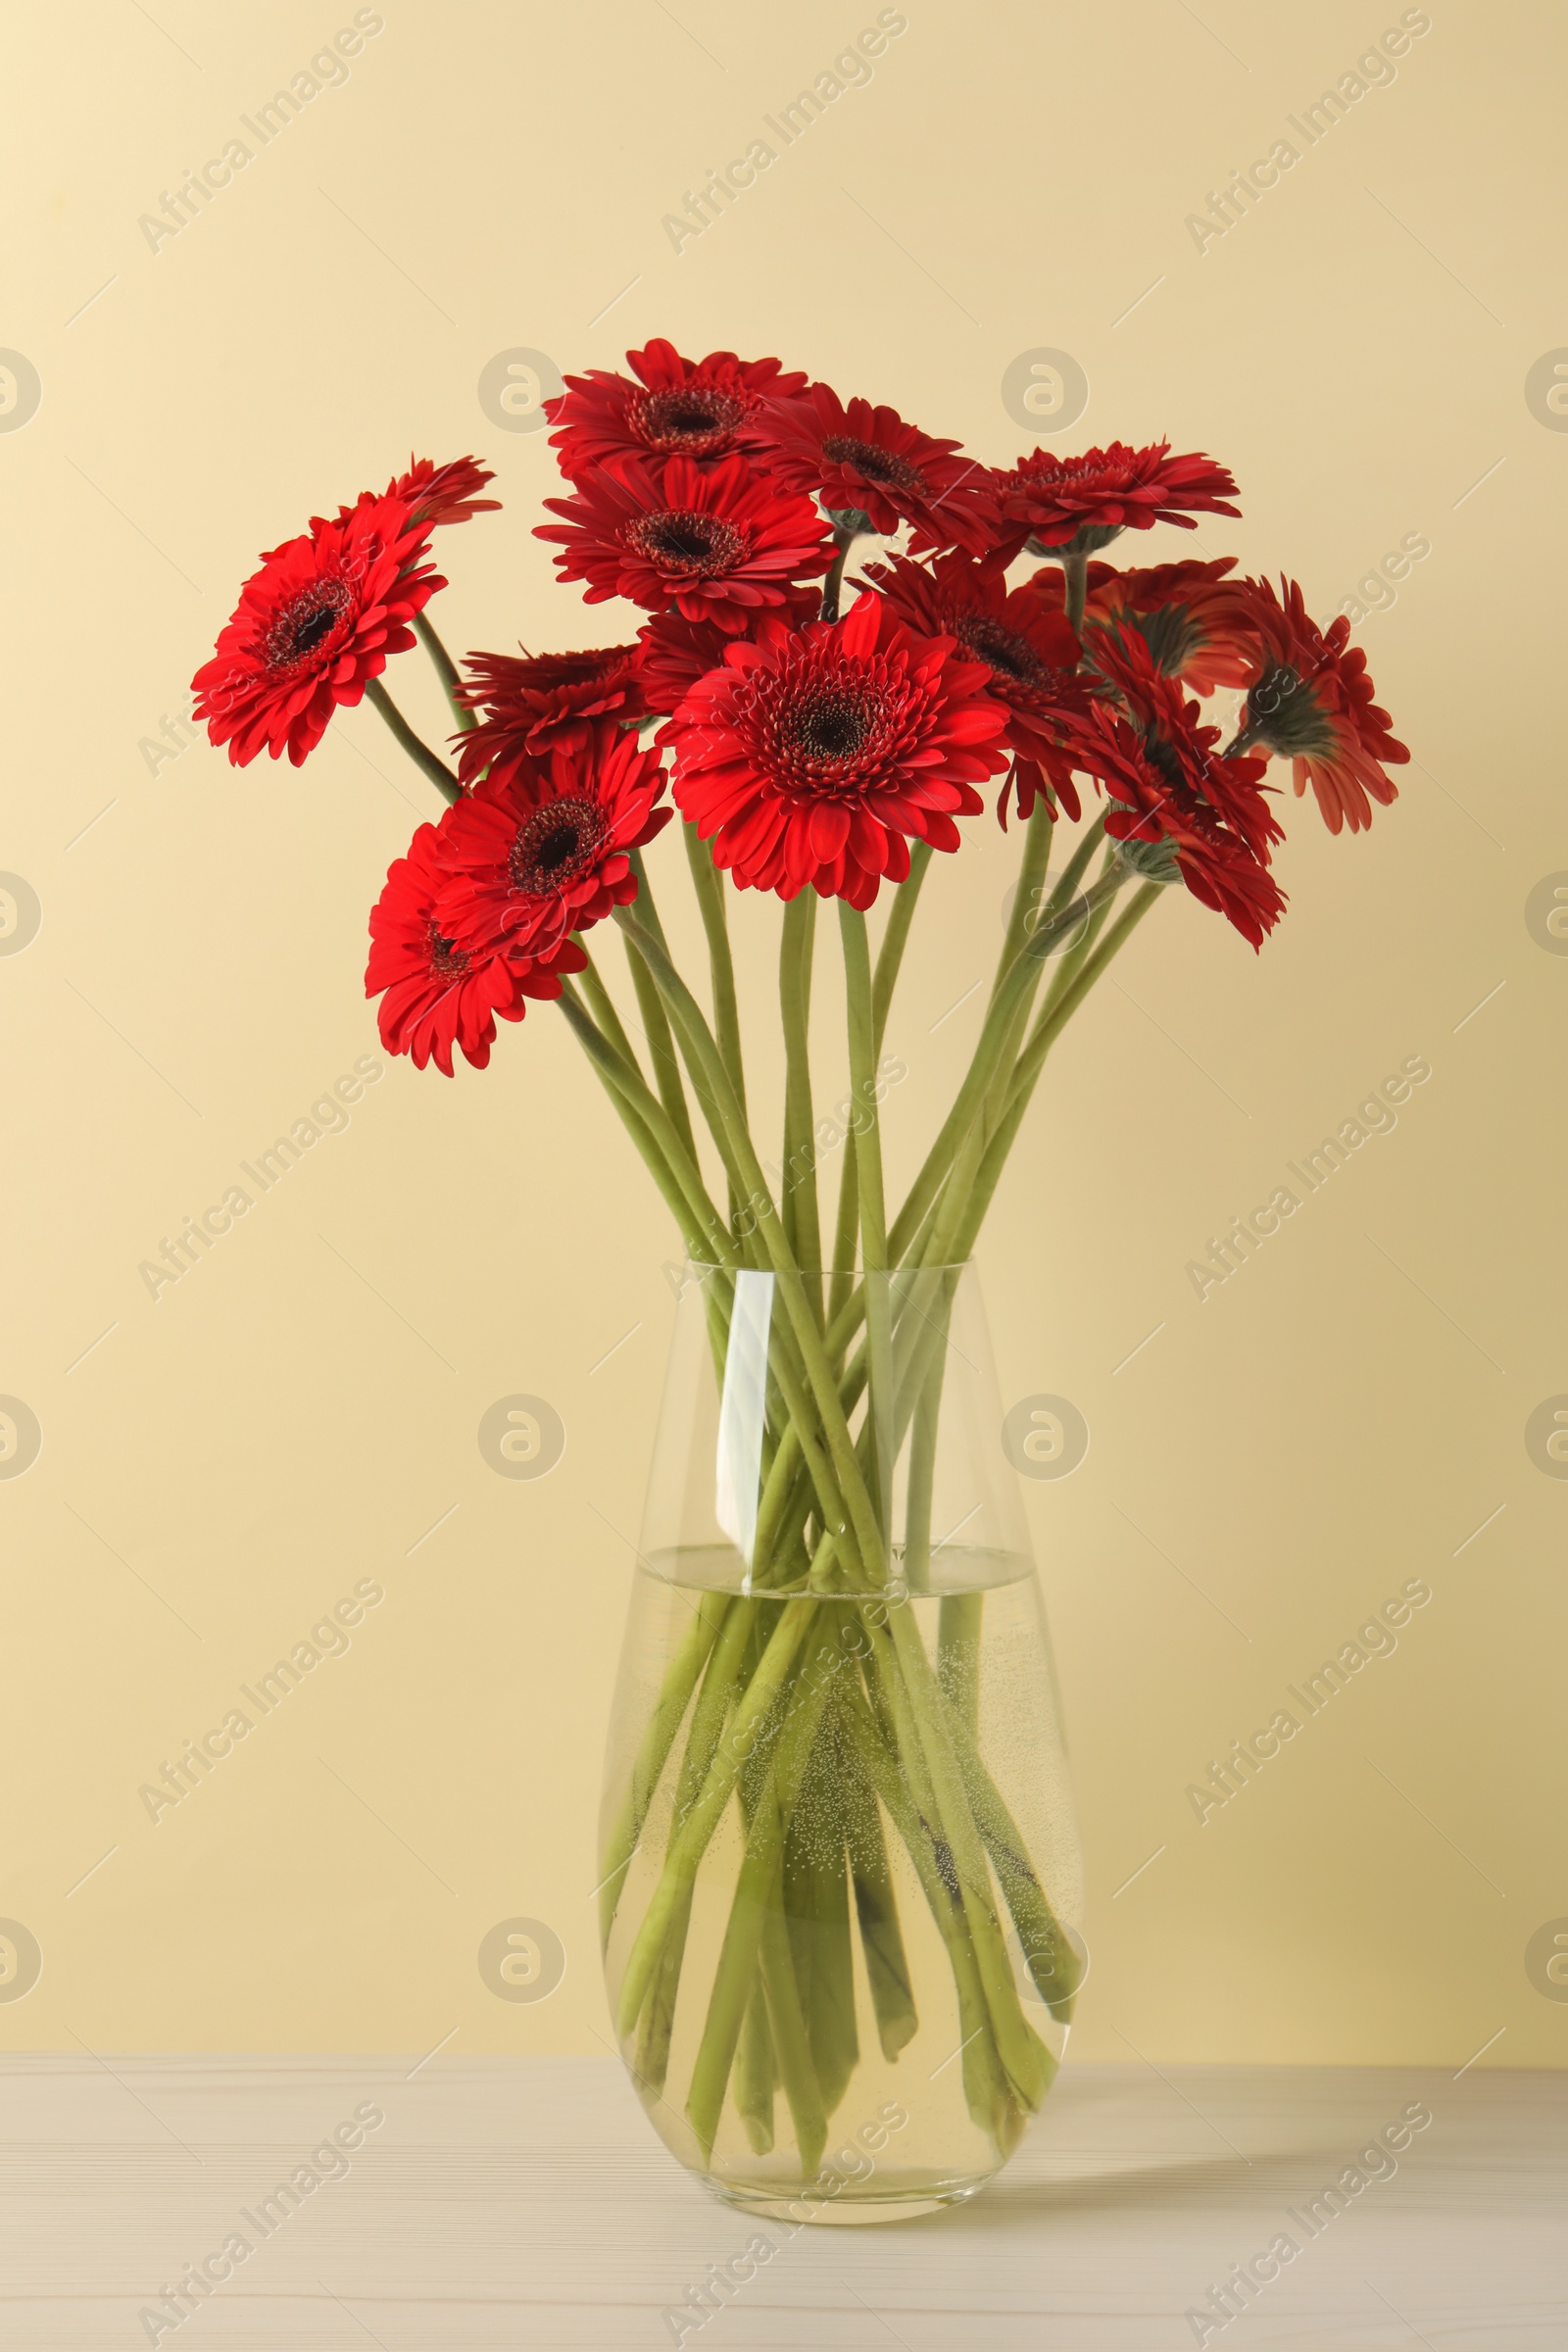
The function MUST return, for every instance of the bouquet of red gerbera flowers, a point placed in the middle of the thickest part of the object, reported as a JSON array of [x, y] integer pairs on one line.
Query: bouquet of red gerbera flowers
[[818, 741]]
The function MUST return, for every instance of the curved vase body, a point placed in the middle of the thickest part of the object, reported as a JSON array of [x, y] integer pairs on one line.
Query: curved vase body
[[842, 1888]]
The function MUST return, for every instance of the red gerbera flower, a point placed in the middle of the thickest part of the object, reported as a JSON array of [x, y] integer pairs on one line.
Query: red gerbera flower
[[316, 622], [866, 458], [448, 492], [1030, 652], [1182, 750], [545, 853], [1310, 700], [672, 654], [718, 543], [434, 996], [532, 704], [1196, 622], [1144, 776], [699, 408], [1083, 503], [815, 758]]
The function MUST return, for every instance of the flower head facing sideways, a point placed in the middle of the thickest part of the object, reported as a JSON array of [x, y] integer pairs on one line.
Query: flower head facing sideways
[[1310, 700], [313, 627]]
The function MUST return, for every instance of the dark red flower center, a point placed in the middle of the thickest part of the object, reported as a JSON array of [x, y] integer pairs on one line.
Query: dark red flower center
[[874, 465], [832, 725], [1167, 762], [692, 420], [306, 622], [558, 844], [446, 960], [683, 543], [826, 732], [1003, 650]]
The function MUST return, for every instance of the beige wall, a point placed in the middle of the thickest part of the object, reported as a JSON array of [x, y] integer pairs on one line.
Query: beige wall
[[227, 1462]]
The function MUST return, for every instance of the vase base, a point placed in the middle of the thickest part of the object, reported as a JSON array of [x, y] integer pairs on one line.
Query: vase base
[[809, 2205]]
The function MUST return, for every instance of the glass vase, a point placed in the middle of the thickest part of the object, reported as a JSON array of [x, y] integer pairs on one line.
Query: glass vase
[[841, 1884]]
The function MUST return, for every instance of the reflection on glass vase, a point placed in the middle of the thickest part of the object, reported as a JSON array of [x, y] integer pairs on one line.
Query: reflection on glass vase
[[841, 1879]]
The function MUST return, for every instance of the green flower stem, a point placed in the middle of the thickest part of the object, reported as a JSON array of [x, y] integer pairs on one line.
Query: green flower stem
[[673, 1169], [710, 886], [1072, 874], [753, 1902], [757, 2069], [653, 1750], [832, 586], [440, 775], [689, 1222], [915, 1705], [690, 1841], [1024, 2056], [722, 1685], [918, 1491], [446, 670], [958, 1216], [820, 1468], [876, 1909], [647, 911], [698, 1039], [719, 1246], [846, 1234], [1075, 573], [791, 2039], [1054, 1964], [644, 1116], [816, 1892], [956, 1127], [657, 2022], [1039, 839], [1029, 903], [896, 938], [1018, 982], [958, 1623], [815, 1896], [661, 1050], [1030, 1062], [890, 957], [784, 1504], [1012, 996], [799, 1186], [655, 1025], [704, 1234], [602, 1005], [875, 1749], [1055, 1016], [873, 1210], [1060, 909], [1072, 964], [781, 1487]]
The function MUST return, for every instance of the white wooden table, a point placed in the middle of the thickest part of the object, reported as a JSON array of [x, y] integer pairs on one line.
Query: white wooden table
[[526, 2202]]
